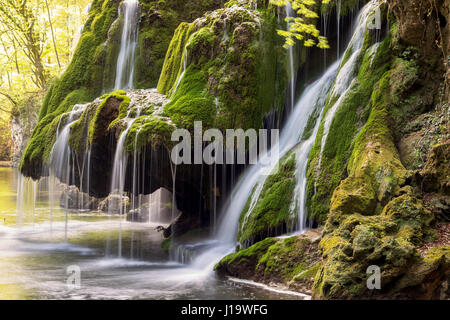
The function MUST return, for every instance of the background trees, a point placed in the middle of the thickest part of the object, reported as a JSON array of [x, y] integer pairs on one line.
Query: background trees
[[37, 38], [302, 26]]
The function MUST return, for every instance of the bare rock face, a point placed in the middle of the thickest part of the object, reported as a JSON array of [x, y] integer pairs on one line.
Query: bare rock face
[[157, 207]]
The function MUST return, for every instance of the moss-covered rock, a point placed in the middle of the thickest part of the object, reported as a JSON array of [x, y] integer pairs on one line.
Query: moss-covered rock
[[373, 219], [436, 173], [328, 162], [204, 75], [290, 262], [95, 120], [388, 241], [92, 69], [268, 211]]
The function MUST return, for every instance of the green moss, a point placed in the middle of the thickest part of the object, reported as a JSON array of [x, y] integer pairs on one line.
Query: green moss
[[158, 22], [80, 83], [272, 214], [123, 110], [411, 216], [150, 130], [166, 244], [252, 253], [79, 134], [92, 69], [307, 274], [174, 58], [282, 258], [86, 67], [291, 261], [356, 235], [387, 240], [191, 101], [40, 146], [348, 120], [225, 95]]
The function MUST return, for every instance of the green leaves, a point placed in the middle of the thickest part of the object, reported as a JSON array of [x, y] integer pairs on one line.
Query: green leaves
[[301, 28]]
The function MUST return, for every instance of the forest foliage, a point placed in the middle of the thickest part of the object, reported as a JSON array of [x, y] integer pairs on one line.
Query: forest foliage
[[37, 40]]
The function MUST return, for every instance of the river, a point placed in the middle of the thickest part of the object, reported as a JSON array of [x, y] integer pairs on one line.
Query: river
[[35, 256]]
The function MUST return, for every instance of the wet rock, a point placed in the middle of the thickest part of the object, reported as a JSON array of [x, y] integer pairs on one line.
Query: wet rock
[[156, 207], [115, 204], [72, 199], [288, 262], [179, 226]]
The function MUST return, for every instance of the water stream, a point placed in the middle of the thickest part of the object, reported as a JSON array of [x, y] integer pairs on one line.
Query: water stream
[[128, 42], [313, 99], [121, 259], [34, 259]]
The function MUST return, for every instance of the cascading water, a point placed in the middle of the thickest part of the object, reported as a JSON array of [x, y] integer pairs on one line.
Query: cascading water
[[313, 98], [289, 15], [125, 61], [338, 21], [59, 172], [60, 157], [348, 69]]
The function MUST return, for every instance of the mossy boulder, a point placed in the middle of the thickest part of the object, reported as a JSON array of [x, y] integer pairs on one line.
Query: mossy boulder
[[204, 76], [92, 69], [374, 219], [353, 243], [436, 173], [289, 262]]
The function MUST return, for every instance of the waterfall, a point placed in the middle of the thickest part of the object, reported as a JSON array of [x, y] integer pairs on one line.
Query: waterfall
[[348, 69], [25, 198], [120, 166], [180, 78], [289, 14], [60, 158], [135, 189], [312, 100], [125, 61], [61, 154], [59, 169], [338, 21]]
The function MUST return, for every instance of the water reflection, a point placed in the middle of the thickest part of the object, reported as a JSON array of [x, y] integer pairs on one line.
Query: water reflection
[[34, 258]]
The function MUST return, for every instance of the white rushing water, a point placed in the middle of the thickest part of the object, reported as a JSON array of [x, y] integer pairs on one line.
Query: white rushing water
[[348, 70], [313, 98], [125, 62], [59, 171], [61, 153], [335, 81], [121, 160], [289, 15]]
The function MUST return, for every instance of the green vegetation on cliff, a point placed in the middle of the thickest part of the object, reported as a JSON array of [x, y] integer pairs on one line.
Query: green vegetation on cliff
[[203, 71], [350, 117], [272, 211], [290, 262], [93, 66]]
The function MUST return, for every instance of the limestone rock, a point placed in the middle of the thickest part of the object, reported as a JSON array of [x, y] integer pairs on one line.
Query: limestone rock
[[156, 208], [115, 204], [72, 199]]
